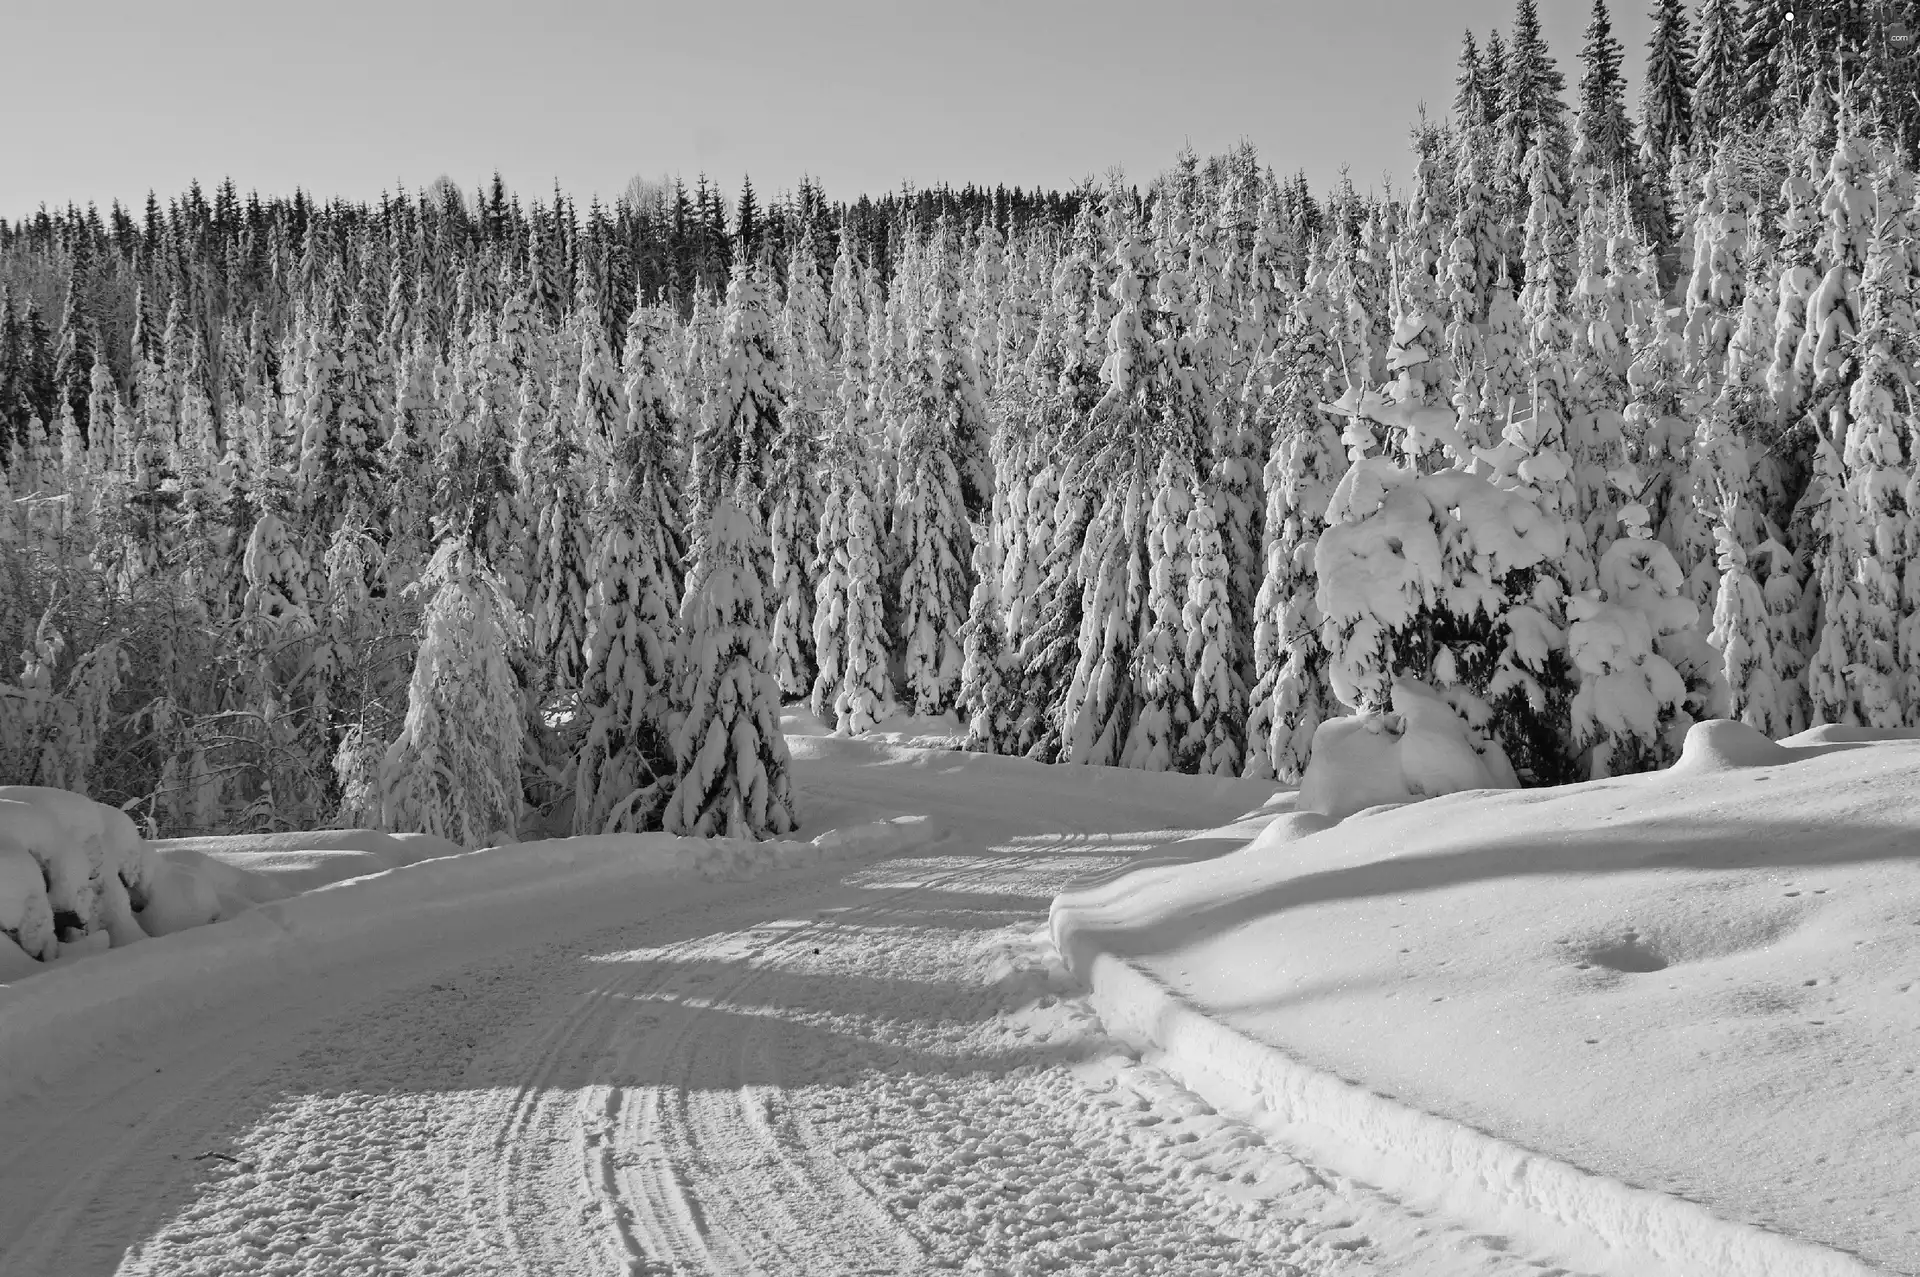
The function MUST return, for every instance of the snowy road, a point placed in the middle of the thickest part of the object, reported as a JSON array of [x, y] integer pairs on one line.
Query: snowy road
[[865, 1069]]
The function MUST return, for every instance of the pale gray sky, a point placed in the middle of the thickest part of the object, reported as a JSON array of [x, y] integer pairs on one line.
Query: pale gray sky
[[349, 97]]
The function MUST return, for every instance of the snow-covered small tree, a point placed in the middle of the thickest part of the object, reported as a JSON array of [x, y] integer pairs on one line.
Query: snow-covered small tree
[[863, 696], [454, 770], [1743, 636], [1290, 697], [1162, 711], [1212, 744], [934, 585], [930, 517], [1630, 710], [986, 702]]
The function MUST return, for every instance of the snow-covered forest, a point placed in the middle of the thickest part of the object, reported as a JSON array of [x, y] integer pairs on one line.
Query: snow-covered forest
[[468, 514]]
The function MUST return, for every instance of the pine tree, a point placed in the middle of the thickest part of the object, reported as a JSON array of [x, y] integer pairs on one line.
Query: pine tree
[[985, 700], [852, 688], [851, 598], [624, 763], [1162, 711], [732, 766], [1769, 46], [454, 770], [1494, 84], [1630, 711], [937, 548], [745, 425], [1470, 106], [555, 487], [1744, 638], [1856, 673], [1213, 742], [74, 348], [794, 511], [1606, 134], [948, 350], [941, 434], [1719, 87], [1531, 107], [1666, 99], [1100, 703]]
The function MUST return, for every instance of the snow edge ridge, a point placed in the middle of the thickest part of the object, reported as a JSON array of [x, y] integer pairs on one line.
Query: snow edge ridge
[[1684, 1236]]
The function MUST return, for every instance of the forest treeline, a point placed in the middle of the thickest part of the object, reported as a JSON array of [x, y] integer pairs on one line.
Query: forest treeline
[[456, 513]]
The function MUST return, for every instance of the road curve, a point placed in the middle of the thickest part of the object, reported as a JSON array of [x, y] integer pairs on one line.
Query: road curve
[[873, 1068]]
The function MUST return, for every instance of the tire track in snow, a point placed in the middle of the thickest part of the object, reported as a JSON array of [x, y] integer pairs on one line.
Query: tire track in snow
[[837, 1073], [680, 1130]]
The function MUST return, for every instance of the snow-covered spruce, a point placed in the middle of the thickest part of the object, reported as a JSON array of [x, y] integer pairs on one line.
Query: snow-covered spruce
[[730, 758], [454, 770], [986, 703], [623, 764]]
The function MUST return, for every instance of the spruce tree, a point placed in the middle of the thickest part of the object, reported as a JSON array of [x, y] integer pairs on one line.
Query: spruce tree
[[986, 702], [624, 764], [1212, 745], [1531, 107], [794, 500], [863, 696], [732, 766], [1470, 108], [454, 770], [1163, 711], [1743, 636], [1605, 131], [936, 549], [1666, 98], [1719, 81], [744, 426]]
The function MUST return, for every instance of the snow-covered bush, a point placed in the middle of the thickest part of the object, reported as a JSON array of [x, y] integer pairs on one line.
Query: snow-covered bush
[[1419, 748], [1442, 578], [72, 872]]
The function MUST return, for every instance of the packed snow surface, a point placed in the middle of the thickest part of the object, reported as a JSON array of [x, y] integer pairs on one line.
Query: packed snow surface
[[853, 1053], [1704, 982]]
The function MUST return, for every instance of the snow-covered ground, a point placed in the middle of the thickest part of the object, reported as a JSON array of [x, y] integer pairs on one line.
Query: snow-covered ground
[[585, 1056], [1704, 982], [862, 1053]]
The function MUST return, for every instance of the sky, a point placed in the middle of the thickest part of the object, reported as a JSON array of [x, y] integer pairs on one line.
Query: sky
[[352, 97]]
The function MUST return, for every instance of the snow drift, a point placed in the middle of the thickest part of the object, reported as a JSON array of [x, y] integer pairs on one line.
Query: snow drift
[[1703, 982]]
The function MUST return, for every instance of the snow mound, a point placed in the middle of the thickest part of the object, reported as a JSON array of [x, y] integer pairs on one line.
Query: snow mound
[[73, 873], [76, 878], [1421, 749], [1722, 743]]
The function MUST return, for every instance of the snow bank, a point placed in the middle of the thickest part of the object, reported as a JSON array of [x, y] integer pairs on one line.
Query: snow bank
[[76, 877], [74, 1010], [1428, 1158], [1704, 983], [289, 863], [1420, 750]]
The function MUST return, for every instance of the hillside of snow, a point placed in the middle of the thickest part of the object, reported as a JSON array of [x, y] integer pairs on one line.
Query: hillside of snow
[[1703, 981]]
